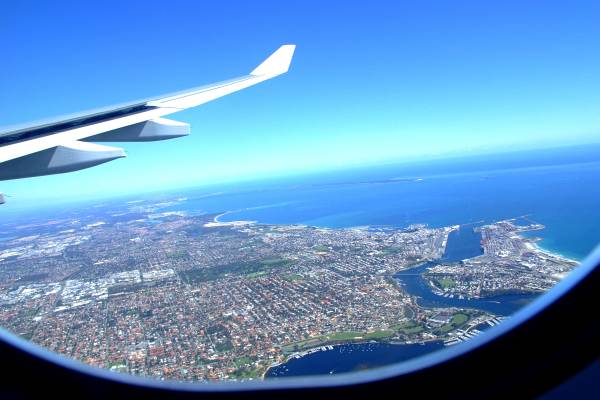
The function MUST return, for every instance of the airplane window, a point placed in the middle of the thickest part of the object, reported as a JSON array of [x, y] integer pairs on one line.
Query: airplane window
[[402, 189]]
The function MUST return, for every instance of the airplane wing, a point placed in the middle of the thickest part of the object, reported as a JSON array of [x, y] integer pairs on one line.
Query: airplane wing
[[68, 144]]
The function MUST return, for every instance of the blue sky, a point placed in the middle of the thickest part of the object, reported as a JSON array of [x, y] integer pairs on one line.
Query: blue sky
[[370, 83]]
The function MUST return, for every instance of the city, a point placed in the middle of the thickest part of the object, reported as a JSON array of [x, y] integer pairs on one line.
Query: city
[[137, 288], [511, 263]]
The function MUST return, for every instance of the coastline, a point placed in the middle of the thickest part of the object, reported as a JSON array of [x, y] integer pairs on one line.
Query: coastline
[[555, 253], [217, 223], [538, 245], [216, 218], [330, 347]]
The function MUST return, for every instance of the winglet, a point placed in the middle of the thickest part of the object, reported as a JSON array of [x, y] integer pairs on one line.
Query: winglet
[[278, 63]]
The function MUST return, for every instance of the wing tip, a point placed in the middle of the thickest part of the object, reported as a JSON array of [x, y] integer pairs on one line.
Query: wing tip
[[277, 63]]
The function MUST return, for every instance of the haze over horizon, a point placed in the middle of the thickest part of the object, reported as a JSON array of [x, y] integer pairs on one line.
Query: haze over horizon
[[366, 86], [432, 167]]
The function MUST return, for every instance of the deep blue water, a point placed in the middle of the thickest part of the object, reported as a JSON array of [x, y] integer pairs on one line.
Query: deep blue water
[[463, 243], [561, 196], [500, 305], [352, 357], [558, 188]]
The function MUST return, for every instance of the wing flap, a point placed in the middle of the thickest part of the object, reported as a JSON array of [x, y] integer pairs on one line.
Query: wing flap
[[67, 157], [147, 131]]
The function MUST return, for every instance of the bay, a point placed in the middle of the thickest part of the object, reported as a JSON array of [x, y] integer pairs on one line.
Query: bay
[[350, 358]]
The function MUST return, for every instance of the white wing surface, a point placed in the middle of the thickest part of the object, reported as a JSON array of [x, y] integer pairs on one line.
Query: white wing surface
[[63, 145]]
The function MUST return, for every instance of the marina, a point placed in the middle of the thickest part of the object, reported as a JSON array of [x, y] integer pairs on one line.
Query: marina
[[350, 358]]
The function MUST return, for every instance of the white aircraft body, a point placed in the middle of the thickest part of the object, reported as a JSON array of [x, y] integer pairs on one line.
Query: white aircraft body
[[67, 144]]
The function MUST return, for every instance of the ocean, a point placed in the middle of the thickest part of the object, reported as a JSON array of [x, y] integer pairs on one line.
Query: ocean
[[558, 188]]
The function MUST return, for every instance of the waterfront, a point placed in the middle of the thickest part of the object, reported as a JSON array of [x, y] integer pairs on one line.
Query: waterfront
[[294, 281], [351, 357], [462, 243], [447, 193], [413, 283]]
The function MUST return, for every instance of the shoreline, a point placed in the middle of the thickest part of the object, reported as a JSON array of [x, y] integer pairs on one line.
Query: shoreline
[[329, 346], [555, 253], [217, 223], [312, 350], [537, 245], [216, 218]]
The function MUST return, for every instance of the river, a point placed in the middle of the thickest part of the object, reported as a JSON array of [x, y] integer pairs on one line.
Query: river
[[462, 243]]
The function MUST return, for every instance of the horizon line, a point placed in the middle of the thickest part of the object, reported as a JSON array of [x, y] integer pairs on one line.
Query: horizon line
[[260, 178]]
